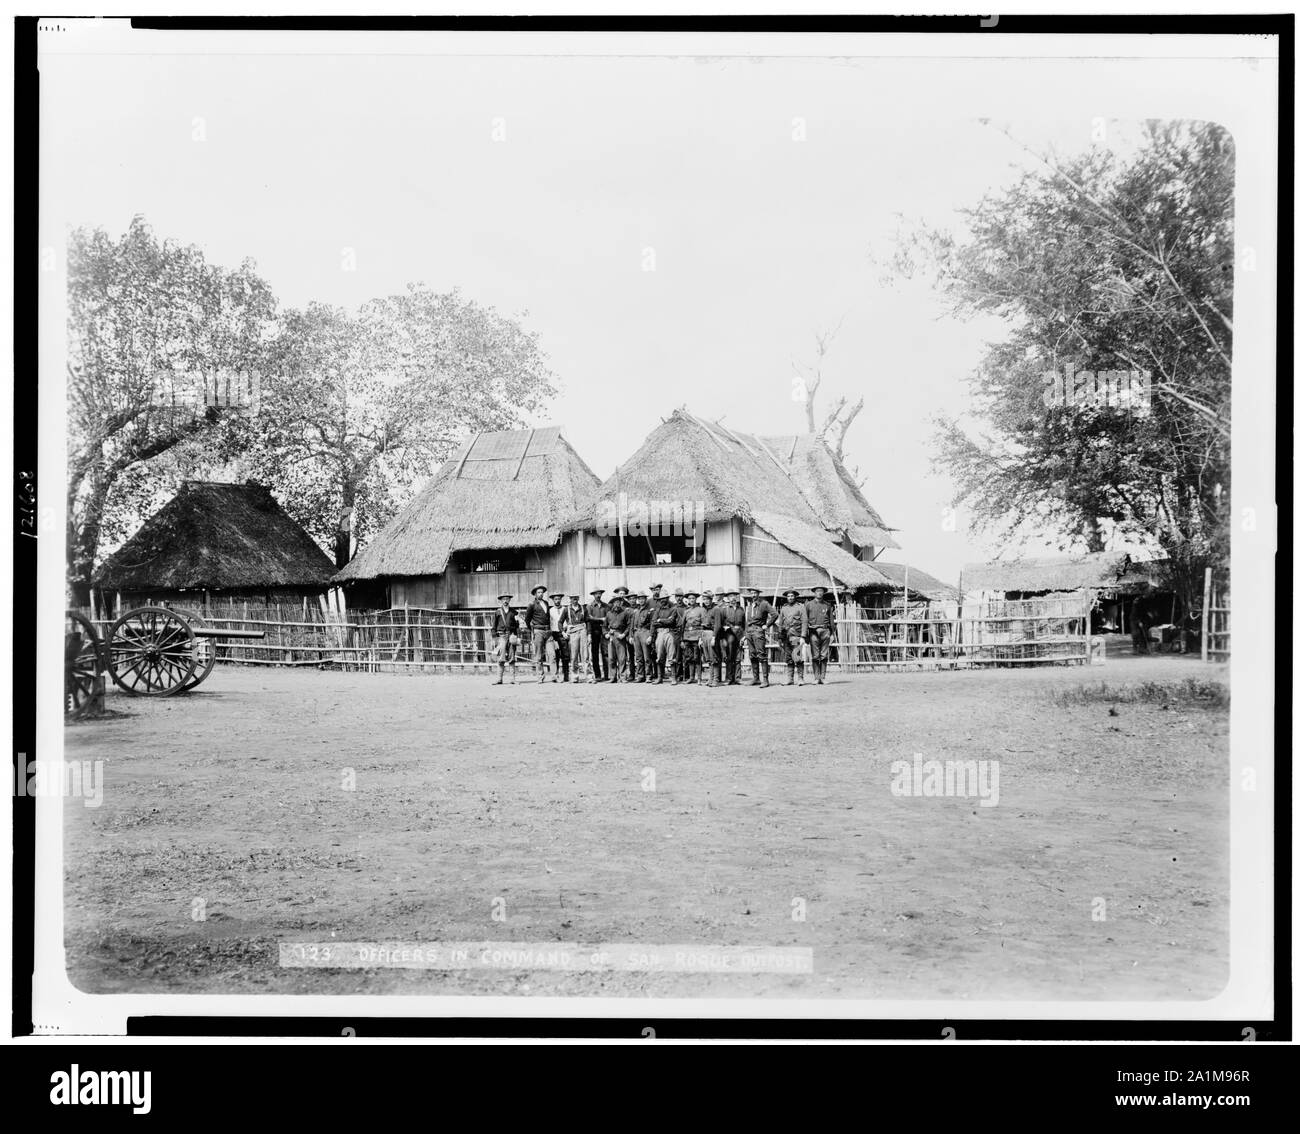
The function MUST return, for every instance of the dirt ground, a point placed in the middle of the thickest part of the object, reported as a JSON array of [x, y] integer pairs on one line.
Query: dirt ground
[[229, 803]]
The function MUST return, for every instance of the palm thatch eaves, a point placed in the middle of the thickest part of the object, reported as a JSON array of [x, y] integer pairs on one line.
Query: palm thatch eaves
[[220, 537], [506, 489]]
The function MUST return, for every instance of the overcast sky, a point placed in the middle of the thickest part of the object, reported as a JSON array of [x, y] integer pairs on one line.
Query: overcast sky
[[759, 240]]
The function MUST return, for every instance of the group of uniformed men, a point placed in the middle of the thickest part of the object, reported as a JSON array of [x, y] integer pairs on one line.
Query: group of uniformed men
[[688, 637]]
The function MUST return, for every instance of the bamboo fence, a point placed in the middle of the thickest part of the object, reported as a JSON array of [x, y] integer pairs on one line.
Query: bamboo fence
[[1216, 622], [915, 635], [961, 635]]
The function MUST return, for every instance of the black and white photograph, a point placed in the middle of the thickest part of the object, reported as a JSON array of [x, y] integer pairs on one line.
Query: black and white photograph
[[719, 523]]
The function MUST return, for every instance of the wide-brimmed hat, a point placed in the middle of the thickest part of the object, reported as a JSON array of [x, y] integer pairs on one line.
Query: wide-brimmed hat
[[620, 590], [598, 591], [791, 591], [752, 591], [731, 592], [537, 588], [692, 594], [504, 598], [820, 588], [656, 586]]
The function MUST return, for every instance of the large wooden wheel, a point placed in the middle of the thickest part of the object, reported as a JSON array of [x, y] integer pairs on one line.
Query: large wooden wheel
[[82, 664], [205, 657], [151, 652]]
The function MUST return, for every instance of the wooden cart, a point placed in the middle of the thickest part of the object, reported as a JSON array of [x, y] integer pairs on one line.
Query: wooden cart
[[151, 651]]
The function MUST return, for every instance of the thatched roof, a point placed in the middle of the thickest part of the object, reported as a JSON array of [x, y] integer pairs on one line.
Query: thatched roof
[[834, 496], [1102, 570], [218, 536], [741, 474], [919, 583], [512, 488], [819, 547]]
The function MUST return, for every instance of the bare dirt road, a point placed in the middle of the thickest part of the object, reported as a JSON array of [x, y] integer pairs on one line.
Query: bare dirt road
[[228, 827]]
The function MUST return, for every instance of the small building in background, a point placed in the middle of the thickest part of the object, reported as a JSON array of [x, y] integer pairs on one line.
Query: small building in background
[[492, 520], [918, 585], [1115, 580], [211, 545]]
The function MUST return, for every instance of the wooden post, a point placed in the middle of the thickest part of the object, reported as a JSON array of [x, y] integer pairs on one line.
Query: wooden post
[[775, 591], [1206, 617], [906, 621], [836, 595], [622, 524], [959, 637], [1087, 626]]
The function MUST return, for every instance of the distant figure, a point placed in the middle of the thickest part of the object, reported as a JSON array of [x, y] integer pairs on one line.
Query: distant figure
[[557, 647], [538, 618], [792, 629], [1141, 627], [597, 615], [504, 639], [575, 629]]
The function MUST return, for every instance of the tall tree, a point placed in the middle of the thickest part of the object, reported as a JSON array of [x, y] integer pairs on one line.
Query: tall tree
[[1101, 264], [155, 337], [362, 406]]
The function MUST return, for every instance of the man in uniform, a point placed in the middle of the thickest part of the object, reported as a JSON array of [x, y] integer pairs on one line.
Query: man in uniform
[[692, 623], [559, 642], [575, 632], [758, 618], [792, 629], [627, 641], [821, 628], [618, 629], [538, 619], [731, 629], [503, 631], [643, 638], [708, 638], [679, 601], [597, 612], [656, 601], [668, 619]]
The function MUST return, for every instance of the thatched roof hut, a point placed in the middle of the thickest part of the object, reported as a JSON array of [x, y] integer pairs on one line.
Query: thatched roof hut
[[834, 496], [1100, 571], [798, 494], [220, 537], [508, 489], [919, 584]]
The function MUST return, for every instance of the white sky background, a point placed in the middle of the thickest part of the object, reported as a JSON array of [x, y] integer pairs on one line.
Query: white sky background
[[759, 240]]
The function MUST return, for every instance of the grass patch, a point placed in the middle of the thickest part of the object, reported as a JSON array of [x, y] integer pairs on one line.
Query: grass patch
[[1191, 691]]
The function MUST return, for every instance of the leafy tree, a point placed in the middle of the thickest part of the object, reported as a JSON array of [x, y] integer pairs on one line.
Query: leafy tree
[[155, 336], [1101, 264], [360, 407]]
